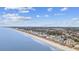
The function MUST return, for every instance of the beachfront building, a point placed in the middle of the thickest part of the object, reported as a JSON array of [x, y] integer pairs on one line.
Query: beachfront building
[[76, 46], [70, 42]]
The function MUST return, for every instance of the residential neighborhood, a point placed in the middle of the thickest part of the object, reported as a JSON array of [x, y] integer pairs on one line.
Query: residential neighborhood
[[66, 37]]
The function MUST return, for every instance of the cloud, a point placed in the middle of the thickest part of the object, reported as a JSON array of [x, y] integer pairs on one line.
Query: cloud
[[26, 11], [64, 9], [75, 19], [58, 14], [8, 8], [21, 9], [31, 8], [73, 22], [37, 16], [46, 15], [50, 9], [13, 19]]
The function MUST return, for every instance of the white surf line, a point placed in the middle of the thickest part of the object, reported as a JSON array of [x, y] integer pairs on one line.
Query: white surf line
[[52, 43], [46, 44], [65, 48]]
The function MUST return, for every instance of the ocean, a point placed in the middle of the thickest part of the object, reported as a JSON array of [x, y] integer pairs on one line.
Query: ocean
[[14, 41]]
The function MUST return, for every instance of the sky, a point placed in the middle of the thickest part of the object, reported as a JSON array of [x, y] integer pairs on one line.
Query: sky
[[39, 16]]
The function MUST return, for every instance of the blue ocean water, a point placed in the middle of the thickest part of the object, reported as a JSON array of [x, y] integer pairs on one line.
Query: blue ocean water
[[14, 41]]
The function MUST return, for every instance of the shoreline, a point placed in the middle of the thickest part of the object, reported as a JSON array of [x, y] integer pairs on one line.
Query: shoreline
[[65, 48]]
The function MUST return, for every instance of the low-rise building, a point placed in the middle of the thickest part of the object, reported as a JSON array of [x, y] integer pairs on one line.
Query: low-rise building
[[70, 42]]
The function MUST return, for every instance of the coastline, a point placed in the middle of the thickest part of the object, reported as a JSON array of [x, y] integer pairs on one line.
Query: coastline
[[65, 48]]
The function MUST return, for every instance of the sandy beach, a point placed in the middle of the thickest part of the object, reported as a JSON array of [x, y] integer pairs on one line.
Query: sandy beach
[[61, 47]]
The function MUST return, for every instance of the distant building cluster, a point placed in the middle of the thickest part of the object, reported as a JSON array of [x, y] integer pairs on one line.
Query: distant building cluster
[[66, 37]]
